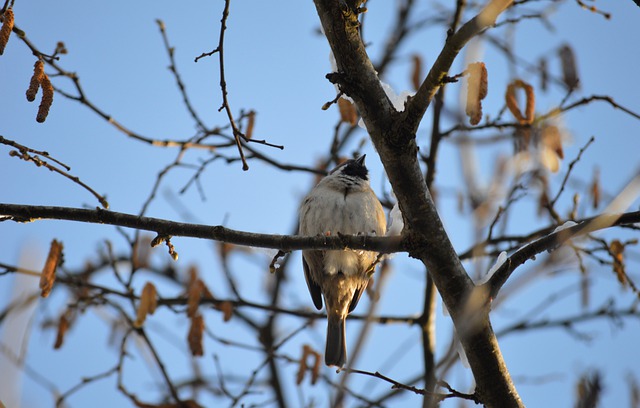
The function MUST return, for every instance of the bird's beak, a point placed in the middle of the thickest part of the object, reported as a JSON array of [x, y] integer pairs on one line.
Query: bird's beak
[[360, 160]]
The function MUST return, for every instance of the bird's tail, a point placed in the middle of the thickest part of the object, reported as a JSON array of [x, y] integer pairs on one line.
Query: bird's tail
[[336, 351]]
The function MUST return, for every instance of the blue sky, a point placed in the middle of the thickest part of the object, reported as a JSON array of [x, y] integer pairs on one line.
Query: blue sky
[[276, 63]]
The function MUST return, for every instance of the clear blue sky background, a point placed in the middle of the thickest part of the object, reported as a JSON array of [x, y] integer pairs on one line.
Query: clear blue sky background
[[276, 64]]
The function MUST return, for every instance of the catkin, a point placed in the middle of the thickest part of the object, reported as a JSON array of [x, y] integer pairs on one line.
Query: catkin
[[195, 335], [569, 67], [477, 89], [48, 275], [36, 80], [47, 99], [514, 107], [416, 75], [7, 27]]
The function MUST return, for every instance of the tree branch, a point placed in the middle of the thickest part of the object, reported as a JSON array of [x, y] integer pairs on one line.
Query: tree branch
[[28, 213], [393, 135], [552, 241], [417, 106]]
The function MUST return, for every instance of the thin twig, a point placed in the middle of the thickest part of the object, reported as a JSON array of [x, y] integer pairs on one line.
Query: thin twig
[[34, 157]]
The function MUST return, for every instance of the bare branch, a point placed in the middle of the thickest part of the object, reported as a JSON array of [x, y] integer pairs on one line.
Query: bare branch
[[25, 213]]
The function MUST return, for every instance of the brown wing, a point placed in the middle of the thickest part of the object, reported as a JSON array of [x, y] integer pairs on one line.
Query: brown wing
[[314, 288]]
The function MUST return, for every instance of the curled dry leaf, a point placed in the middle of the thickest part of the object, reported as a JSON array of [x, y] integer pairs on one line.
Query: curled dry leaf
[[47, 99], [36, 79], [148, 303], [7, 27], [195, 335], [477, 88], [48, 276], [348, 111], [512, 102]]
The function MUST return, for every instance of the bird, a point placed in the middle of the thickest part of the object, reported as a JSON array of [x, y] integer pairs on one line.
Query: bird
[[341, 203]]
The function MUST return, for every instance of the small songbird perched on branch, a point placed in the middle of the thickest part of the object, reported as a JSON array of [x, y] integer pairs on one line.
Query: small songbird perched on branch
[[342, 203]]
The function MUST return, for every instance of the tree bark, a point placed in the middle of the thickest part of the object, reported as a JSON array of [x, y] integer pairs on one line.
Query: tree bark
[[393, 134]]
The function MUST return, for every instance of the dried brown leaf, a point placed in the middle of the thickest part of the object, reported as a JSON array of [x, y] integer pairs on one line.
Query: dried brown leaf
[[195, 335], [7, 27], [48, 276], [348, 112]]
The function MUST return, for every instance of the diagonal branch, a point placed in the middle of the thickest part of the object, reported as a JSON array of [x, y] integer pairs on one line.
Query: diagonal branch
[[552, 241], [419, 104], [393, 135]]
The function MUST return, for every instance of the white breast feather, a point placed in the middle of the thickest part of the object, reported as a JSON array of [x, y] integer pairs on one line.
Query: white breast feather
[[333, 217]]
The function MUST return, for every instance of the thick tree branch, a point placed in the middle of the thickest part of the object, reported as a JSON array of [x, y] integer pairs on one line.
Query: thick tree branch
[[166, 228], [393, 135]]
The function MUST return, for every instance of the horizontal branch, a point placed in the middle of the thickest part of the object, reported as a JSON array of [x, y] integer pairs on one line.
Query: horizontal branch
[[30, 213]]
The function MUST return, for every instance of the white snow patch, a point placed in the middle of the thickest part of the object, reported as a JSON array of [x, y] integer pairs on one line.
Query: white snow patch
[[501, 259], [397, 100], [396, 223], [564, 226]]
